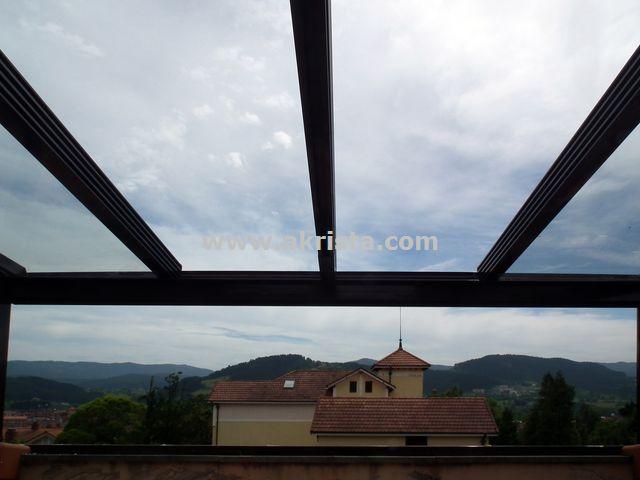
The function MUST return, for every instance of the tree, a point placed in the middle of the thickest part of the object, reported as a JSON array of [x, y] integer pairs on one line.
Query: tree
[[550, 421], [586, 420], [109, 419], [507, 429], [452, 392], [174, 417], [618, 431]]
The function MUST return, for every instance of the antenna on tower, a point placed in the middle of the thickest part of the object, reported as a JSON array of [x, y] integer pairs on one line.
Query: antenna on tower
[[400, 328]]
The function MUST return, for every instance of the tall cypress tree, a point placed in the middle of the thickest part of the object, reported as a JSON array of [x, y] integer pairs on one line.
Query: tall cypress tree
[[550, 421], [507, 429]]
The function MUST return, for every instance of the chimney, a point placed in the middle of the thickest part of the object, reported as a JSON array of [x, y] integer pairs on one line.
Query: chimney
[[10, 436], [34, 426]]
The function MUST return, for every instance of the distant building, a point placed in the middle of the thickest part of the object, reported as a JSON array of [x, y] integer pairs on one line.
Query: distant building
[[35, 427], [384, 406], [33, 435]]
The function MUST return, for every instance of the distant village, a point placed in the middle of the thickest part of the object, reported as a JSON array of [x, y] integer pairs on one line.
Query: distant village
[[36, 427]]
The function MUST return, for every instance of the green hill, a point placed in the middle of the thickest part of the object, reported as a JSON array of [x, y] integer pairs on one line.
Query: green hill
[[73, 371], [263, 368], [493, 370], [131, 383], [484, 373], [628, 368], [33, 392], [481, 373]]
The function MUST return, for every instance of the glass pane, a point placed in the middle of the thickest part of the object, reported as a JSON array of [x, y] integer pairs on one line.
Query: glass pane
[[448, 113], [598, 231], [44, 228], [191, 108]]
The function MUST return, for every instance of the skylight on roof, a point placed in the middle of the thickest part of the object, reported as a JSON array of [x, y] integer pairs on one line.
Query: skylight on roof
[[289, 383]]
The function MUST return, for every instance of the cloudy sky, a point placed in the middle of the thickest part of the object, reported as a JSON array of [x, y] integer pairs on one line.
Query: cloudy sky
[[447, 113]]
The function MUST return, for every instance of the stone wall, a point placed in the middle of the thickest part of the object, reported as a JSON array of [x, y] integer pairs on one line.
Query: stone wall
[[205, 467]]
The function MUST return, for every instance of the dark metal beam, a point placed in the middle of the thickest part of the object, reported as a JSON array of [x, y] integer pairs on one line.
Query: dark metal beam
[[27, 117], [9, 268], [5, 319], [312, 36], [613, 118], [309, 289]]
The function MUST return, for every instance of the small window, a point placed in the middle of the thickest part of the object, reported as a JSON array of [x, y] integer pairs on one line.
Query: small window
[[368, 386], [353, 387], [415, 440], [289, 383]]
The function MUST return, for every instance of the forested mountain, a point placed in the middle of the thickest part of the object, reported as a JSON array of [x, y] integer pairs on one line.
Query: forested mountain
[[71, 371], [488, 374], [265, 368], [132, 383], [32, 392], [481, 373], [493, 370], [628, 368]]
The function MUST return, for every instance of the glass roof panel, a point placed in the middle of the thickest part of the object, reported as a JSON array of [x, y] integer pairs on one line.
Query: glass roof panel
[[598, 231], [192, 109], [44, 228], [448, 113]]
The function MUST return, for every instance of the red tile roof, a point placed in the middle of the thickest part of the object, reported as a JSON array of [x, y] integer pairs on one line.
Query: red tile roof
[[401, 359], [308, 386], [28, 435], [459, 415]]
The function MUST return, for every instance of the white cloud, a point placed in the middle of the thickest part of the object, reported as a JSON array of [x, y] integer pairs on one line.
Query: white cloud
[[235, 159], [214, 337], [172, 131], [250, 118], [237, 56], [280, 101], [283, 139], [202, 111], [71, 40], [228, 103], [198, 73], [444, 266]]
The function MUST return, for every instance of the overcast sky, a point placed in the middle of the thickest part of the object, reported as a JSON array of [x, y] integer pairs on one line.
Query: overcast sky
[[447, 114]]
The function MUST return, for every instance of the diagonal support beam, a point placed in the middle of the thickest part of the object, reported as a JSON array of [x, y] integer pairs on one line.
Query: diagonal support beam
[[10, 268], [312, 36], [5, 319], [27, 117], [612, 119]]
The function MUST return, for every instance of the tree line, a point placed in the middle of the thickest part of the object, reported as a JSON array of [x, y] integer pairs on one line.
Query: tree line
[[164, 415], [555, 419]]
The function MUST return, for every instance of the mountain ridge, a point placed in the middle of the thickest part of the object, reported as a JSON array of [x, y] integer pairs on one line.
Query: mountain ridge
[[75, 371], [482, 375]]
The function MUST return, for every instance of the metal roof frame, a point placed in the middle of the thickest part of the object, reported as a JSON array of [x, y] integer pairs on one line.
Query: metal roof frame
[[10, 268], [26, 116], [613, 118]]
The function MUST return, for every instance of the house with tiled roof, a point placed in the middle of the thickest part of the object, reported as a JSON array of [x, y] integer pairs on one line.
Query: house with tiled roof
[[381, 406]]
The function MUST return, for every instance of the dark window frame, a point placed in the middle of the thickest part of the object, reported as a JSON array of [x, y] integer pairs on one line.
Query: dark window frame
[[416, 440]]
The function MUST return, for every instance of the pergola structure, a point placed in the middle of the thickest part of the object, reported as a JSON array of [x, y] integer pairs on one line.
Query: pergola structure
[[26, 116]]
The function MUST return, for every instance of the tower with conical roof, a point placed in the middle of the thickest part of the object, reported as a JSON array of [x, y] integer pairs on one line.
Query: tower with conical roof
[[404, 370]]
